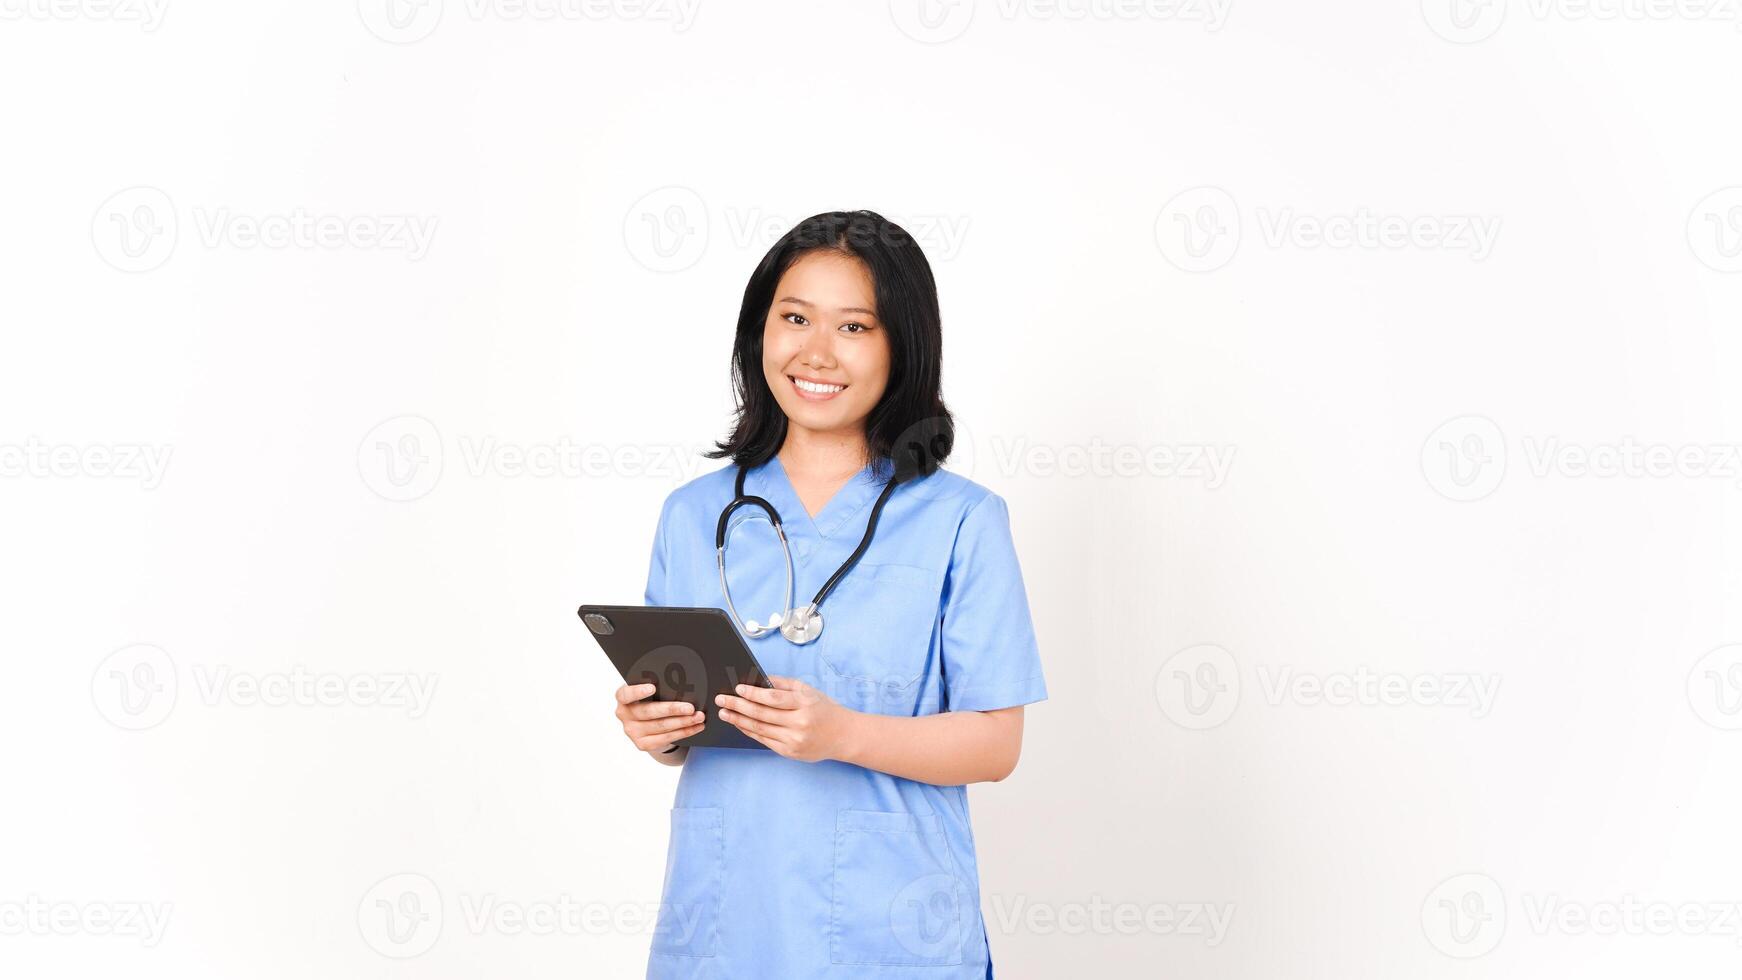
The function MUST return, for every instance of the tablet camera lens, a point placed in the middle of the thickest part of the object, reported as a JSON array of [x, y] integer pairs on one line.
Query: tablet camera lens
[[599, 624]]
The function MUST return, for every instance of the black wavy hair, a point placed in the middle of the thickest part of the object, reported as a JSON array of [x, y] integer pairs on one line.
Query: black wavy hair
[[910, 426]]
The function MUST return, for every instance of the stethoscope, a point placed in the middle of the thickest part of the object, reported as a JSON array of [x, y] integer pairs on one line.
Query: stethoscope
[[799, 626]]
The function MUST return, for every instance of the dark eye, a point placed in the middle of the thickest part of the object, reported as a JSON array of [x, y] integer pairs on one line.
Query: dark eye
[[793, 318], [854, 327]]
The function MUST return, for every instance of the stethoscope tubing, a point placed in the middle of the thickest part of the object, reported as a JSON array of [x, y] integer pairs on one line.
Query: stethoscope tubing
[[785, 620]]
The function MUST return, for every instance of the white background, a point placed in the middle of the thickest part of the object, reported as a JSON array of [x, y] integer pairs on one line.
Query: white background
[[1429, 480]]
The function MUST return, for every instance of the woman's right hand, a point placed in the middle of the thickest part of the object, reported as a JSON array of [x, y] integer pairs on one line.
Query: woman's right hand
[[654, 725]]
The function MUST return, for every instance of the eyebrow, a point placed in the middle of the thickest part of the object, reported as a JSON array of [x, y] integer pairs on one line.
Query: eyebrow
[[844, 309]]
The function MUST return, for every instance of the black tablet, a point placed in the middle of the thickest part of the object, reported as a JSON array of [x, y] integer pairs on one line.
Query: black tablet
[[687, 654]]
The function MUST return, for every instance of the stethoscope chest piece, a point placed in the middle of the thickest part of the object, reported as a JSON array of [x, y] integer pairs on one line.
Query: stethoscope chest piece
[[804, 625]]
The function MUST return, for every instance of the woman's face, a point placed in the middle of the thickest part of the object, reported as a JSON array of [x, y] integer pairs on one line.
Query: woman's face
[[824, 352]]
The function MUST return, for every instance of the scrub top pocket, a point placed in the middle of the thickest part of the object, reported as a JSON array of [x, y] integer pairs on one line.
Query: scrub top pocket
[[695, 871], [897, 898], [877, 634]]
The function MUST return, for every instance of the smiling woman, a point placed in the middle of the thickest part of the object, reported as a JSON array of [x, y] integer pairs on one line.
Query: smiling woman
[[847, 301], [846, 851], [825, 350]]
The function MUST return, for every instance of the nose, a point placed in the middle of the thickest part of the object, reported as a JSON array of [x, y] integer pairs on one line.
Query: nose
[[818, 350]]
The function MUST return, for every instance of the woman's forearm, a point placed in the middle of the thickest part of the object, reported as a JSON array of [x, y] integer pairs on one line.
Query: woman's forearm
[[948, 749]]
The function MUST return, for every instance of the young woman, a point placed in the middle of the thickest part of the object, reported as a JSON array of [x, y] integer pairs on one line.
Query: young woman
[[846, 851]]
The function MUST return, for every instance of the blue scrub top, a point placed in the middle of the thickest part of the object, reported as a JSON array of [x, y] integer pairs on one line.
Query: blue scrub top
[[787, 870]]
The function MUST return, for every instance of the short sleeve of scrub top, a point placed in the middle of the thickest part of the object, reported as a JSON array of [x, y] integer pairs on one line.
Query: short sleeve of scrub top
[[783, 869], [655, 592], [990, 658]]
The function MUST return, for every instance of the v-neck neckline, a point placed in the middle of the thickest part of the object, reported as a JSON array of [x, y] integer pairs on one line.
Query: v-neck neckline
[[847, 501]]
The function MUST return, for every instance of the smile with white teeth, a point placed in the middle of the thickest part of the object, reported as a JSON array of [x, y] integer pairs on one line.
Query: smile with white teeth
[[815, 388]]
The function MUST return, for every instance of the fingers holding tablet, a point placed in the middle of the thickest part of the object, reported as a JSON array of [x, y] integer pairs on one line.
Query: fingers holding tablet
[[653, 725]]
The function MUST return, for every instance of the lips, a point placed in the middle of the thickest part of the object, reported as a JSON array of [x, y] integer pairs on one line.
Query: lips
[[812, 389]]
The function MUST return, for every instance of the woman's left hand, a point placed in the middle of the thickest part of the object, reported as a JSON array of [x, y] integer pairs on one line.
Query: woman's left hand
[[792, 718]]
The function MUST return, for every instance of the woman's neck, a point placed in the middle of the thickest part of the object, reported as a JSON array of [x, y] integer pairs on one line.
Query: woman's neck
[[823, 454]]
